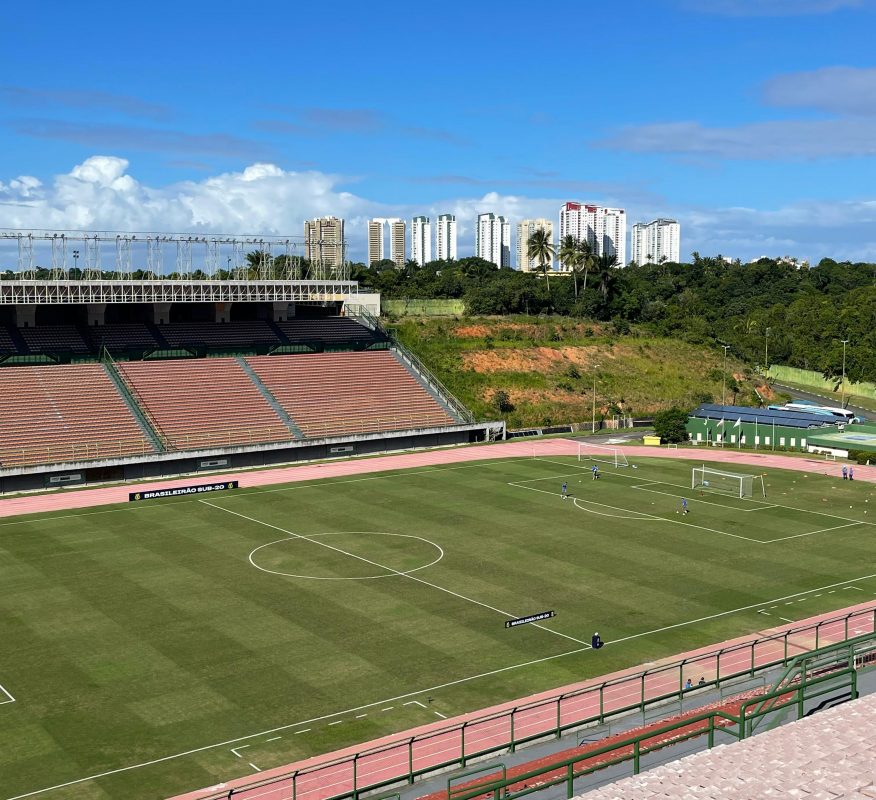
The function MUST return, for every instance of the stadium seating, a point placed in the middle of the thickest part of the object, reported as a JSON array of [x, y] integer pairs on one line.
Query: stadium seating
[[334, 330], [351, 392], [196, 403], [214, 334], [54, 339], [62, 414], [7, 346], [123, 336]]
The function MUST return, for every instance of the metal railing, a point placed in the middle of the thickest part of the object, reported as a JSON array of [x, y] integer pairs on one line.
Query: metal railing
[[412, 757]]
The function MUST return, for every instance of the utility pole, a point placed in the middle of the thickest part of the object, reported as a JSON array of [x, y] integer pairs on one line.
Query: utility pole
[[593, 422], [766, 351], [843, 386], [724, 376]]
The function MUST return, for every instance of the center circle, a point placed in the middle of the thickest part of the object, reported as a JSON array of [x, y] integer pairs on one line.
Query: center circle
[[305, 557]]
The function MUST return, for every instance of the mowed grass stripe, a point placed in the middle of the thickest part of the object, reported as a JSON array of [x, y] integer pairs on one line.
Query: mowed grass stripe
[[165, 638]]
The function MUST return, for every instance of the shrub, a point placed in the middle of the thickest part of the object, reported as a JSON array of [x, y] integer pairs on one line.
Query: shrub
[[502, 402], [573, 372], [669, 425]]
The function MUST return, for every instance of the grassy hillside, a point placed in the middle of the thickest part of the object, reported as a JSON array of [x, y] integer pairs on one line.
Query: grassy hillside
[[547, 365]]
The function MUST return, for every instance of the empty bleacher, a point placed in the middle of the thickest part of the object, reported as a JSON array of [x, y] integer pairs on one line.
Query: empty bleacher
[[331, 330], [218, 334], [7, 346], [197, 403], [123, 336], [54, 339], [329, 394], [56, 414]]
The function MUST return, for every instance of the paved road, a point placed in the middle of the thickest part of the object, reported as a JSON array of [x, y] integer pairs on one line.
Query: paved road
[[826, 398]]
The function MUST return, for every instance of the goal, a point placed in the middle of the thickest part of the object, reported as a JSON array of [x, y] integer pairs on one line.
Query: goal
[[602, 452], [734, 483]]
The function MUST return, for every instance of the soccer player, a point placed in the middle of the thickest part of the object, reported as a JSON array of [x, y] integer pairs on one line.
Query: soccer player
[[845, 472], [683, 505], [565, 491], [595, 470], [596, 641]]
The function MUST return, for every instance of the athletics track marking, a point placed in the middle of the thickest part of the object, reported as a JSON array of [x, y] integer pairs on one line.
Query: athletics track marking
[[446, 685]]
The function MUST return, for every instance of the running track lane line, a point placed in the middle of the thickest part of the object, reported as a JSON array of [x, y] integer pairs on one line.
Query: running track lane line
[[391, 700], [388, 569]]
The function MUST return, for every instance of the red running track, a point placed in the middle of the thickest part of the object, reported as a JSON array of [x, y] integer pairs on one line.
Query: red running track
[[87, 498], [388, 758]]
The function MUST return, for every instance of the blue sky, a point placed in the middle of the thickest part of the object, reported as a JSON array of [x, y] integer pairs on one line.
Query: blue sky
[[751, 121]]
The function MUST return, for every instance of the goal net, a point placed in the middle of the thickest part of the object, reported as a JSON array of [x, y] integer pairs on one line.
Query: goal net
[[734, 483], [602, 452]]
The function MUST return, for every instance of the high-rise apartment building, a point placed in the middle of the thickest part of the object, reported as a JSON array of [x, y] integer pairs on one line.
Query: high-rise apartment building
[[324, 241], [421, 240], [445, 238], [655, 242], [397, 242], [525, 229], [493, 239], [604, 228], [377, 239]]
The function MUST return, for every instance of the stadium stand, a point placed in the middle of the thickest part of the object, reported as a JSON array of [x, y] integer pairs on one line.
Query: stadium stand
[[351, 392], [54, 339], [7, 346], [64, 413], [213, 334], [830, 754], [123, 336], [196, 403], [334, 330]]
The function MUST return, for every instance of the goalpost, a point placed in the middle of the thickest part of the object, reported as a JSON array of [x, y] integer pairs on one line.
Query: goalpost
[[736, 483], [602, 452]]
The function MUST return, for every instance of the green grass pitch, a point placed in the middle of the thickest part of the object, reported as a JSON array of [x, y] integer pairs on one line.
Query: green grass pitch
[[132, 633]]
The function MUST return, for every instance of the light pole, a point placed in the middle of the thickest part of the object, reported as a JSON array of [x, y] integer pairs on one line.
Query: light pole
[[766, 351], [724, 376], [76, 261], [593, 422], [843, 385]]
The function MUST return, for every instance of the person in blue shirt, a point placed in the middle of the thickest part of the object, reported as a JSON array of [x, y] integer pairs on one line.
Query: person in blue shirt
[[595, 470], [845, 472], [565, 491], [684, 505]]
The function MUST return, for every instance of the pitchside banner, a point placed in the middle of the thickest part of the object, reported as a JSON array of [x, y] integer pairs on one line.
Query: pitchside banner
[[513, 623], [179, 490]]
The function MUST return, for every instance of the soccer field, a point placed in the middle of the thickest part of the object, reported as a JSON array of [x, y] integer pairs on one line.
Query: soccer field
[[168, 634]]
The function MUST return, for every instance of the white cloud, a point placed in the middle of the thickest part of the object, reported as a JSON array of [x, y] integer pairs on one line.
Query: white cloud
[[842, 90], [101, 194]]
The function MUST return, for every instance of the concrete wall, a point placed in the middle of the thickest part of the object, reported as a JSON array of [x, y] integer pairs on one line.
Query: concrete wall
[[816, 380]]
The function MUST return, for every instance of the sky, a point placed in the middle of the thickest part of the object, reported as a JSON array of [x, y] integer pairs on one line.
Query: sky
[[752, 122]]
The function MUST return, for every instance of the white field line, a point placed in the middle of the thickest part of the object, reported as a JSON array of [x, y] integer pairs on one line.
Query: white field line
[[414, 703], [254, 766], [774, 505], [644, 515], [642, 487], [412, 694], [196, 750], [407, 575], [9, 697], [396, 472]]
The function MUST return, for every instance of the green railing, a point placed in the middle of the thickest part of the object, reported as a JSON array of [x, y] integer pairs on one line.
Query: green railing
[[633, 748], [409, 758]]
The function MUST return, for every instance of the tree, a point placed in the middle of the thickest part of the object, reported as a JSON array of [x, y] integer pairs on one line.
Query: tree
[[606, 273], [502, 402], [541, 248], [670, 425], [585, 261], [570, 256]]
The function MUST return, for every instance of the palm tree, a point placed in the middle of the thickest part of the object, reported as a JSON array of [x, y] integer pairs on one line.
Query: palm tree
[[605, 266], [541, 248], [569, 256], [587, 258]]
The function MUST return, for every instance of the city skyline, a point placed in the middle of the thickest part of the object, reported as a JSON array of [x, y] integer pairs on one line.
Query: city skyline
[[767, 149]]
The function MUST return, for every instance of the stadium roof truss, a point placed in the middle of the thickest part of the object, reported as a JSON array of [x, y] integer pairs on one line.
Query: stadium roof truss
[[72, 267], [29, 292]]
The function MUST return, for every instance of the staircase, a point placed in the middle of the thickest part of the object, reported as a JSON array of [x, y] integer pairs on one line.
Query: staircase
[[149, 430], [272, 401]]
